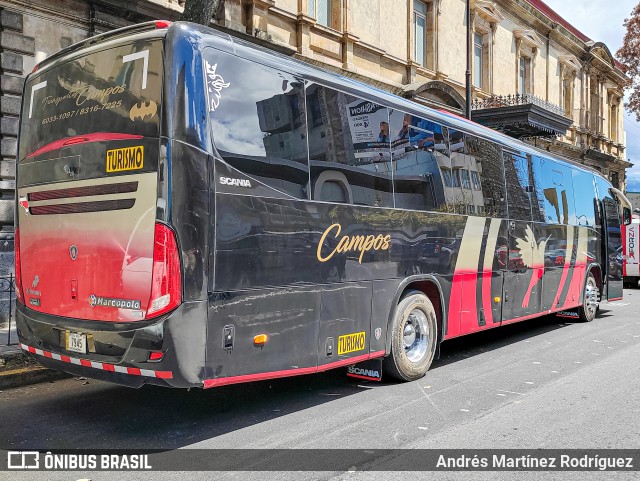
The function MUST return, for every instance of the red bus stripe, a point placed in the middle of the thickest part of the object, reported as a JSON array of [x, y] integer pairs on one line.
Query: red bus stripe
[[486, 296], [94, 137], [563, 279], [575, 285], [164, 374], [366, 378], [536, 274], [47, 354], [262, 376], [85, 363], [65, 358], [133, 371], [108, 367], [455, 301]]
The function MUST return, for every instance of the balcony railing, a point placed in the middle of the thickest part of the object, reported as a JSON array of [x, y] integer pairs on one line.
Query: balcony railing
[[521, 116], [497, 101]]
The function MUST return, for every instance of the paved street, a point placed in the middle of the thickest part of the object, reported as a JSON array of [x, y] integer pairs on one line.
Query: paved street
[[545, 383]]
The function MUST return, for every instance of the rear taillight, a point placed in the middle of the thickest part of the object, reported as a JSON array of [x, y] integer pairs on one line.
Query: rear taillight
[[16, 245], [166, 282]]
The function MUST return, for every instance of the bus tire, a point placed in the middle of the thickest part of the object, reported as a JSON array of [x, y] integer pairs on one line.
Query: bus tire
[[413, 338], [590, 304]]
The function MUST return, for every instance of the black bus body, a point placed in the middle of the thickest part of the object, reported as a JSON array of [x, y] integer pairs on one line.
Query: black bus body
[[195, 210]]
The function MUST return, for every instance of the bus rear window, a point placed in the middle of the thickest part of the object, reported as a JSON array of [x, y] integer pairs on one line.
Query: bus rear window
[[116, 90]]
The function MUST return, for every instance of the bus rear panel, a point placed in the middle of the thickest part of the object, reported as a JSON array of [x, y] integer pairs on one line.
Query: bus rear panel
[[98, 266]]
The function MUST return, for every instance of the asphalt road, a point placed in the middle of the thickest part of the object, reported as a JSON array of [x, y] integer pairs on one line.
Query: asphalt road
[[544, 383]]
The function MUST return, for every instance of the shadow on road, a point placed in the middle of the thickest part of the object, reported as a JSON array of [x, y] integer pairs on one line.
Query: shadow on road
[[70, 414], [492, 339]]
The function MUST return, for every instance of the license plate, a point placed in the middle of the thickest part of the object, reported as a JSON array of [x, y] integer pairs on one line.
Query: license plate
[[77, 342]]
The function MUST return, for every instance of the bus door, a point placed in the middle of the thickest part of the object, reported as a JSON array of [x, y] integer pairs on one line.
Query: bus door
[[518, 300], [557, 252], [612, 249]]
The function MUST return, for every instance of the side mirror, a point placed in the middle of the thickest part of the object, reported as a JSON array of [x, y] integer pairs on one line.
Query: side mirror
[[626, 216]]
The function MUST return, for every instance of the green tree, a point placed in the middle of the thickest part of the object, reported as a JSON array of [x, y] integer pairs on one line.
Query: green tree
[[629, 56], [201, 11]]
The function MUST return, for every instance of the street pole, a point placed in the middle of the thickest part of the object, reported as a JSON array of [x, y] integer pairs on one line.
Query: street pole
[[468, 73]]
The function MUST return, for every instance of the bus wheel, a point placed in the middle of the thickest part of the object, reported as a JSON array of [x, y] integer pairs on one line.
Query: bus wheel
[[589, 307], [413, 338]]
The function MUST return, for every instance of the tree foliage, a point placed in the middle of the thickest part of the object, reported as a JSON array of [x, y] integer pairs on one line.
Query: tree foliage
[[629, 56], [200, 11]]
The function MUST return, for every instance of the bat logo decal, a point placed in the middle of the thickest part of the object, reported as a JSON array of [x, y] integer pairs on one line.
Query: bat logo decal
[[143, 110]]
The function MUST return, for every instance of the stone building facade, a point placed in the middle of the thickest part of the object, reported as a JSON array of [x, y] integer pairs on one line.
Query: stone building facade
[[535, 76]]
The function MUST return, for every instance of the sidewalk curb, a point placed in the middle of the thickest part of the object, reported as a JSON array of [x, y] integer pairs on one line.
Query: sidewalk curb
[[19, 369]]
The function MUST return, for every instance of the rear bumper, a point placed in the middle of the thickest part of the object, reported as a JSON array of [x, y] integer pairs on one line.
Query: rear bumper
[[119, 353]]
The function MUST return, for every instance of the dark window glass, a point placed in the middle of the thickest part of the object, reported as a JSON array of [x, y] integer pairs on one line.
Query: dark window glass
[[475, 179], [552, 192], [349, 145], [516, 172], [421, 164], [603, 187], [446, 174], [259, 127], [585, 195], [456, 179], [459, 197], [465, 179], [111, 90], [485, 164]]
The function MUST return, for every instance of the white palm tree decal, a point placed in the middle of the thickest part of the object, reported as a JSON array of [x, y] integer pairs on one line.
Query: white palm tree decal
[[532, 255]]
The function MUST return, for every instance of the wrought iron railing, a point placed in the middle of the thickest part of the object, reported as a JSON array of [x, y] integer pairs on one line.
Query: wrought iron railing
[[497, 101]]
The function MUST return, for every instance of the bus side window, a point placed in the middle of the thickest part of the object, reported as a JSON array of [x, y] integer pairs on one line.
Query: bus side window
[[552, 197], [516, 172], [259, 129], [421, 167], [349, 148], [487, 177], [584, 195]]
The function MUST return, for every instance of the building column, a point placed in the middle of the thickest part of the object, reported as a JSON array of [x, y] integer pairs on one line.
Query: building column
[[257, 18], [303, 34], [13, 47]]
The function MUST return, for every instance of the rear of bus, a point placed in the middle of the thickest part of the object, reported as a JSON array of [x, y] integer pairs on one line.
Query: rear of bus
[[98, 266]]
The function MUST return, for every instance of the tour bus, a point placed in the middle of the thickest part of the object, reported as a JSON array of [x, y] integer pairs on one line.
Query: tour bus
[[196, 210]]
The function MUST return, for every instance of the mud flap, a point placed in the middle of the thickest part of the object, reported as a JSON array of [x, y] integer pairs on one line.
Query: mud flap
[[370, 370]]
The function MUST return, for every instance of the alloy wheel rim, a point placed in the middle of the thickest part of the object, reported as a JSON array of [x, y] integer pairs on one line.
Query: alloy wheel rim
[[591, 297], [415, 335]]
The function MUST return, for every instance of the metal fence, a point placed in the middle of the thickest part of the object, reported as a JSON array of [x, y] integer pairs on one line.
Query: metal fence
[[7, 305]]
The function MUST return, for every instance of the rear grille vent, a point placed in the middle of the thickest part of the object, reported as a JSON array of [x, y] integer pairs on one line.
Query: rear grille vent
[[80, 207], [121, 188]]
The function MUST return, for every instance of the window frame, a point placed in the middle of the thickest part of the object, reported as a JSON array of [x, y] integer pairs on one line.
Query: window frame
[[424, 40], [478, 74], [313, 9], [525, 64]]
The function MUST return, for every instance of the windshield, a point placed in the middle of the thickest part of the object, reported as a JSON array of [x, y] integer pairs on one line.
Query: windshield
[[117, 90]]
